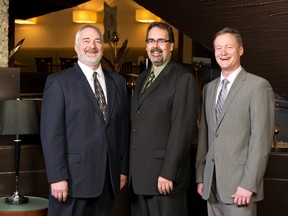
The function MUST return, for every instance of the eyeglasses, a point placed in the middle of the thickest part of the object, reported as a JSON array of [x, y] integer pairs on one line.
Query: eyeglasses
[[160, 41]]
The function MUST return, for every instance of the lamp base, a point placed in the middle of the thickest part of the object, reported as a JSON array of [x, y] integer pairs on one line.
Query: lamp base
[[16, 199]]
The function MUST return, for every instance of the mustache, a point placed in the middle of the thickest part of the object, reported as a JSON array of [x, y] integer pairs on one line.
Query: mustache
[[156, 49], [92, 50]]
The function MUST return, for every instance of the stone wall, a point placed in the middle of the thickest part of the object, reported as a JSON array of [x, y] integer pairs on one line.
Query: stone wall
[[4, 20]]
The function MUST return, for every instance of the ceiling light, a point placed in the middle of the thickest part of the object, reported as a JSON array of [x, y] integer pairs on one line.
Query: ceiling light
[[27, 21], [84, 16], [145, 16]]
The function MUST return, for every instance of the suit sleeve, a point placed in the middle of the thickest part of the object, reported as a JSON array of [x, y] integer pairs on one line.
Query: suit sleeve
[[125, 132], [202, 147], [183, 121], [53, 130], [262, 128]]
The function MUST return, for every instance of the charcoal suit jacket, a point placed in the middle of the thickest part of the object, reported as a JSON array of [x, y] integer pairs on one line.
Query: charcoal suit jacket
[[162, 126]]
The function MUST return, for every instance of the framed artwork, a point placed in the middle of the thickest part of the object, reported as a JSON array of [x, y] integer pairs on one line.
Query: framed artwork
[[110, 22], [9, 83]]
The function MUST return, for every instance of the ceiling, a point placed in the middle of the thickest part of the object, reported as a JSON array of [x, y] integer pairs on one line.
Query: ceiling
[[24, 9], [262, 23]]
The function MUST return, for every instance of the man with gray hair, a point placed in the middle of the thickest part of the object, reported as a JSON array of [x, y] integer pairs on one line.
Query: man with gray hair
[[84, 132]]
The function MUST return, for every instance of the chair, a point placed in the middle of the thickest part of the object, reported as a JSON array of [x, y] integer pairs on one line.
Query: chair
[[126, 68], [44, 64], [67, 62], [142, 67]]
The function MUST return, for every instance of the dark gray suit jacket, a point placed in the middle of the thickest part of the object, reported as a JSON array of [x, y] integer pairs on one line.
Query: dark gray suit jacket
[[237, 148], [163, 121], [77, 142]]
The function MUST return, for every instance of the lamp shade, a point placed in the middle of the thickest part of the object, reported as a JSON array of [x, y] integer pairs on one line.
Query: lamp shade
[[145, 16], [84, 16], [18, 117]]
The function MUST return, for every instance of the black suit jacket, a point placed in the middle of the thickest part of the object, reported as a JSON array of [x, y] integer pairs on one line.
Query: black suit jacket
[[163, 121], [77, 142]]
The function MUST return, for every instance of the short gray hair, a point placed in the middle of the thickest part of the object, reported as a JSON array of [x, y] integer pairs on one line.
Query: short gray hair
[[88, 26]]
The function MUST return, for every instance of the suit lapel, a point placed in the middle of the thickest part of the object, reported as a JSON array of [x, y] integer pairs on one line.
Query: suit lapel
[[236, 86], [155, 83], [151, 88], [111, 92], [213, 99], [81, 82], [139, 85]]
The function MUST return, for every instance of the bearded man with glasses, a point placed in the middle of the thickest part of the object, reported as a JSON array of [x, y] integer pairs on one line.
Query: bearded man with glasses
[[164, 113]]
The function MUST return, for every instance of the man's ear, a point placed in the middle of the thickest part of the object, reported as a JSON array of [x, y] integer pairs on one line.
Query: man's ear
[[241, 50]]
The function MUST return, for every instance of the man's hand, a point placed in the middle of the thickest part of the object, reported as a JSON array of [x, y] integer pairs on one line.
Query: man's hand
[[165, 186], [242, 196], [59, 190], [200, 189], [123, 180]]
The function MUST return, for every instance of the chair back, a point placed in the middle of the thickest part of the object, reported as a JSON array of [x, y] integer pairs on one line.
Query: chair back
[[126, 68], [67, 62], [44, 64]]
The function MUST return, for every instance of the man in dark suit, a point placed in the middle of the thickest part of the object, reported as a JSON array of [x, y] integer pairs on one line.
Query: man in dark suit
[[234, 144], [164, 113], [85, 145]]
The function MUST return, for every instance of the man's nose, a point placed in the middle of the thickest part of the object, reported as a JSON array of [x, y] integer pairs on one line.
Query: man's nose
[[224, 51]]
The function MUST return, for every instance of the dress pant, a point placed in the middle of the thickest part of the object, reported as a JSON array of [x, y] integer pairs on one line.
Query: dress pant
[[216, 207], [162, 205]]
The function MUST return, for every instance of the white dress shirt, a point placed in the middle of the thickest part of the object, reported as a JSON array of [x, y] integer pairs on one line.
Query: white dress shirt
[[88, 72], [230, 78]]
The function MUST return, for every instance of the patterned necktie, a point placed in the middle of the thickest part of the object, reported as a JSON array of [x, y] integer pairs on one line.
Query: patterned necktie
[[100, 96], [149, 81], [221, 99]]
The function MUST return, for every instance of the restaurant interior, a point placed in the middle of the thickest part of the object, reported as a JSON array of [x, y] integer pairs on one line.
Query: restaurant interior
[[45, 45]]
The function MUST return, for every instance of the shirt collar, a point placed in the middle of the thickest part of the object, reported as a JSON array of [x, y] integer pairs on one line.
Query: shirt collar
[[89, 72], [232, 76], [157, 70]]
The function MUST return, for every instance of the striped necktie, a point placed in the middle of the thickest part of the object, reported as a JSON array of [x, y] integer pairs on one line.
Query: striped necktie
[[221, 99], [100, 96], [149, 81]]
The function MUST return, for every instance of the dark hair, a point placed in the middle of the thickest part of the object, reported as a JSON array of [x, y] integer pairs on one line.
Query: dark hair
[[163, 26], [232, 31]]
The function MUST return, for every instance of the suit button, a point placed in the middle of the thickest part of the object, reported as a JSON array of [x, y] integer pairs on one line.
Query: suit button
[[138, 111], [216, 135], [134, 130]]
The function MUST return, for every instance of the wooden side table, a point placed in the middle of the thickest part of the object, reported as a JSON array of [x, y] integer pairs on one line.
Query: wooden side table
[[36, 206]]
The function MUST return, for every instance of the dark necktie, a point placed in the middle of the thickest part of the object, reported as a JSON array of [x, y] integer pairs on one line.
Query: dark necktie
[[149, 81], [221, 99], [100, 96]]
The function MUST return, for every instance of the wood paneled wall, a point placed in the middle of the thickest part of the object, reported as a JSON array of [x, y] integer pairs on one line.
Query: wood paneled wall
[[262, 24], [32, 177]]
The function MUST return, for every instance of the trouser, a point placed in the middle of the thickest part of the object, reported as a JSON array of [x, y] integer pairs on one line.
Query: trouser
[[216, 207], [162, 205], [98, 206]]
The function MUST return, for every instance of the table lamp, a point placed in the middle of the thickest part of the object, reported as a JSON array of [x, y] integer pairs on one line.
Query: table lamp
[[18, 117]]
